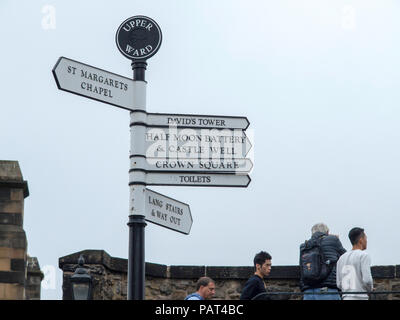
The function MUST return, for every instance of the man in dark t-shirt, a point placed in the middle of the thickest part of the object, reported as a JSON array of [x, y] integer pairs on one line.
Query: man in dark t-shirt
[[255, 285]]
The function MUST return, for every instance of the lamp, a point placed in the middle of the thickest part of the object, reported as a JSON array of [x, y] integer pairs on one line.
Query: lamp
[[81, 282]]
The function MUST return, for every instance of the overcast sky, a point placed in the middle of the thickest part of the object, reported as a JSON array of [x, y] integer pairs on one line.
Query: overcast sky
[[318, 81]]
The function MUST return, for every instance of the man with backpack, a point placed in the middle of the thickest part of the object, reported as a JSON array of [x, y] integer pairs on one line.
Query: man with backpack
[[318, 257]]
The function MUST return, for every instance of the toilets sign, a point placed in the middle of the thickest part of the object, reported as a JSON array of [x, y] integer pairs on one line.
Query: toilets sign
[[138, 38]]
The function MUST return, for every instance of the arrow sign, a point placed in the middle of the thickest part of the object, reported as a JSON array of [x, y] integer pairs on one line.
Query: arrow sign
[[167, 212], [195, 121], [195, 143], [93, 83], [189, 179], [192, 165]]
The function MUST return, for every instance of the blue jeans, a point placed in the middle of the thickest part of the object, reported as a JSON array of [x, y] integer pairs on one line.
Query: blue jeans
[[313, 294]]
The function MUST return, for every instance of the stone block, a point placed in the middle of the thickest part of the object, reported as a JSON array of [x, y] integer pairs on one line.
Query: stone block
[[5, 193], [5, 264], [34, 281], [12, 277], [178, 295], [380, 286], [95, 257], [165, 289], [229, 272], [11, 218], [67, 289], [397, 270], [16, 194], [14, 292], [13, 239], [187, 272], [11, 206], [10, 170], [7, 252], [32, 292], [284, 272], [17, 185], [156, 270], [11, 291], [2, 291], [383, 272], [18, 265], [124, 289]]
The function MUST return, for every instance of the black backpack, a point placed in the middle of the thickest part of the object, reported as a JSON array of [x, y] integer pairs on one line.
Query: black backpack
[[314, 268]]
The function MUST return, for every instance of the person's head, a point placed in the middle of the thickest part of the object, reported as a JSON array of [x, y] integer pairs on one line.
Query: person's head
[[358, 238], [205, 287], [262, 263], [319, 227]]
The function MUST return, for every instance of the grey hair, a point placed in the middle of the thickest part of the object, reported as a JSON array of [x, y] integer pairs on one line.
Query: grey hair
[[203, 281], [319, 227]]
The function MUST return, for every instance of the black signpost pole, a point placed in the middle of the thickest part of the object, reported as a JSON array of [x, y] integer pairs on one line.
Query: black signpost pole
[[139, 70], [137, 224], [136, 264], [138, 38]]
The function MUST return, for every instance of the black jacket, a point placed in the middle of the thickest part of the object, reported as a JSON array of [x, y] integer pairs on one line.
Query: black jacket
[[333, 249], [253, 287]]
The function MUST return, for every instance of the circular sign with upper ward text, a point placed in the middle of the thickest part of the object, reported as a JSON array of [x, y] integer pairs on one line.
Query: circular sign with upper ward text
[[138, 38]]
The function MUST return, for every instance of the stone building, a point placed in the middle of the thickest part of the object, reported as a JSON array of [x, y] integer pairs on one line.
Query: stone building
[[20, 275], [175, 282]]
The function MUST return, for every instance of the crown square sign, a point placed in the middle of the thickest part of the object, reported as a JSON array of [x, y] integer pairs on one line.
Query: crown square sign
[[239, 165], [138, 38]]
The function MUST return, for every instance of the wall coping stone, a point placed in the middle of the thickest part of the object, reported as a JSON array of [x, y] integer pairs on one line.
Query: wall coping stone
[[194, 272], [111, 263], [16, 185], [33, 268]]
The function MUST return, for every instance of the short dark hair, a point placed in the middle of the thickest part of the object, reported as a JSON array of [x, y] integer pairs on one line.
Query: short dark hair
[[355, 234], [203, 281], [261, 257]]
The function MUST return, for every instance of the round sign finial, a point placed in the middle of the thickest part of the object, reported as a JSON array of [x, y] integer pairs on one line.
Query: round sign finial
[[138, 38]]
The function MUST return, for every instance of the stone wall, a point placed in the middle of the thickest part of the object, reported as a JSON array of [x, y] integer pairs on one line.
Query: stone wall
[[13, 242], [175, 282], [34, 277]]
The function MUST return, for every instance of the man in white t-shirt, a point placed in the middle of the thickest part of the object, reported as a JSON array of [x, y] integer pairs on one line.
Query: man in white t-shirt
[[353, 269]]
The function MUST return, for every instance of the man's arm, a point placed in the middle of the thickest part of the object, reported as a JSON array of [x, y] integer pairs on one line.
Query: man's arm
[[247, 290], [339, 247], [339, 275], [366, 272]]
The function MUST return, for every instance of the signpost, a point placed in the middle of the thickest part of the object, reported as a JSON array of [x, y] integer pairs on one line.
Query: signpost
[[168, 212], [166, 149], [138, 38], [238, 165], [196, 143], [195, 121], [94, 83], [189, 179]]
